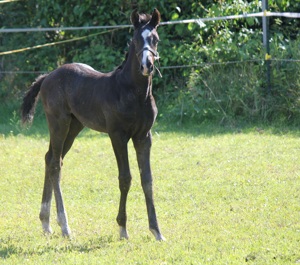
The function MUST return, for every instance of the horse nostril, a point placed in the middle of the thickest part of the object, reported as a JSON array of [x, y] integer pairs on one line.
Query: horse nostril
[[146, 69], [151, 68]]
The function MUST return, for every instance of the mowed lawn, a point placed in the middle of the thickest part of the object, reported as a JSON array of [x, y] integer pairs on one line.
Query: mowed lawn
[[222, 197]]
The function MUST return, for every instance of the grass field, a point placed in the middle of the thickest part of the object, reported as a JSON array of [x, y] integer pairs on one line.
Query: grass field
[[222, 197]]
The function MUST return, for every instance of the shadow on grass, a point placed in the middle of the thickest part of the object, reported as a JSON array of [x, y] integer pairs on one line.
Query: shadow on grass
[[10, 247]]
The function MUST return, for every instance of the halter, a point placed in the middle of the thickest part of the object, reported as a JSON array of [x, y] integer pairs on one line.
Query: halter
[[155, 53], [156, 57]]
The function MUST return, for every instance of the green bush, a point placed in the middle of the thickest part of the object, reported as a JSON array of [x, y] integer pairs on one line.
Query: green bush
[[239, 91], [218, 92], [225, 91]]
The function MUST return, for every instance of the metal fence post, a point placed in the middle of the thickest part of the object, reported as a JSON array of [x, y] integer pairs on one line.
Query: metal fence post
[[265, 22]]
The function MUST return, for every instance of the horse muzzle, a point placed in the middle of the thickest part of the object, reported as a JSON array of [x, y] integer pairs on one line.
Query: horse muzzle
[[147, 60], [147, 68]]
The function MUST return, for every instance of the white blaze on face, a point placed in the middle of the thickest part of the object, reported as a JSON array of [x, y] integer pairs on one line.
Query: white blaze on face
[[146, 33]]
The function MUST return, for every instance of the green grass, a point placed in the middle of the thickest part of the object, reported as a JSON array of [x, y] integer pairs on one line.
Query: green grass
[[223, 196]]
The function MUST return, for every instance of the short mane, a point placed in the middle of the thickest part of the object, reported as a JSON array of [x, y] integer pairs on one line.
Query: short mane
[[144, 19]]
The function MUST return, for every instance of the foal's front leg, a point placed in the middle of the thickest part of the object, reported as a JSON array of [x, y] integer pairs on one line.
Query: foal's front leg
[[142, 147], [119, 143]]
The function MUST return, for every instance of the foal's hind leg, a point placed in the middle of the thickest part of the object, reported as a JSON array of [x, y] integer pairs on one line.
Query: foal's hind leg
[[52, 175], [47, 196], [74, 130], [59, 129]]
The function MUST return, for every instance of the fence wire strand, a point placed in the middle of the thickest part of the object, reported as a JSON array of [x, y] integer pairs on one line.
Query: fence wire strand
[[186, 21], [179, 66], [108, 29]]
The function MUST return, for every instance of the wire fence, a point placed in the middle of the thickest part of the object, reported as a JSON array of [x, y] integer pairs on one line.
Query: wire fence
[[199, 21], [180, 66], [108, 29]]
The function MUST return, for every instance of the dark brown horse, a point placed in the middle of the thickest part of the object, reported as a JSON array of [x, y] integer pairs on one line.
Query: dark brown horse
[[119, 103]]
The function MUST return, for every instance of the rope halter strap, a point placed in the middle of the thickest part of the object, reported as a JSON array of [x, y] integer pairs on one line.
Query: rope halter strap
[[156, 57]]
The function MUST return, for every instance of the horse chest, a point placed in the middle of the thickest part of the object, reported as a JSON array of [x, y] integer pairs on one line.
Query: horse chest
[[137, 115]]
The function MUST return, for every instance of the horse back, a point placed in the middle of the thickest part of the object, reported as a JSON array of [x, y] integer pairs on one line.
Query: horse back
[[76, 89], [98, 100]]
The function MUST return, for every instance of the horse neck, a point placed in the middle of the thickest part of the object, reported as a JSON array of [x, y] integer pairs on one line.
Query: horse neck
[[142, 85]]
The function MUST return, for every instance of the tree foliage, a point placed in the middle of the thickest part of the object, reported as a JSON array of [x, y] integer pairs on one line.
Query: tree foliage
[[199, 93]]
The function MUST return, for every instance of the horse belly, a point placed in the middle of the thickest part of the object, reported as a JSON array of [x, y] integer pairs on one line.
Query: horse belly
[[93, 119]]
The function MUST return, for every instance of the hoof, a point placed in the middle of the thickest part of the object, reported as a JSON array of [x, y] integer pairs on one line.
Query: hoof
[[46, 228], [123, 233], [66, 232], [158, 235]]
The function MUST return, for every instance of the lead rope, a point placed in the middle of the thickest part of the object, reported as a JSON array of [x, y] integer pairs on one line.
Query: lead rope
[[159, 73], [157, 68]]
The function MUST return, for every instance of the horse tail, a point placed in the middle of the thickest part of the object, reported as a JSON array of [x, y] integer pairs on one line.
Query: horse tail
[[30, 99]]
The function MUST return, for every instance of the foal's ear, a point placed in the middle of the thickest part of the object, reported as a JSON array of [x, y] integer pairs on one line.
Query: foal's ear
[[135, 18], [154, 22]]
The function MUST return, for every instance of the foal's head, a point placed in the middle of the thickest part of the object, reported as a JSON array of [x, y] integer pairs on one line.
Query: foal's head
[[146, 39]]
